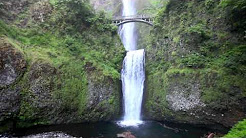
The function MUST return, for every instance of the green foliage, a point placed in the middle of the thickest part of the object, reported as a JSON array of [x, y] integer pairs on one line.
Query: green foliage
[[236, 12], [176, 39], [111, 100], [5, 30], [210, 96], [71, 15], [77, 16], [194, 60], [209, 3], [157, 92], [160, 14], [198, 29], [238, 131], [198, 40], [53, 2], [235, 4], [71, 37], [235, 60], [72, 86], [172, 72]]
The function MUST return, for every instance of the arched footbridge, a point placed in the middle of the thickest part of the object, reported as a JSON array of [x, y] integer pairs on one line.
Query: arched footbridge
[[136, 18]]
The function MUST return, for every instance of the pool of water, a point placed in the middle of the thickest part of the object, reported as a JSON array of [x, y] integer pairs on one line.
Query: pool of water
[[148, 129]]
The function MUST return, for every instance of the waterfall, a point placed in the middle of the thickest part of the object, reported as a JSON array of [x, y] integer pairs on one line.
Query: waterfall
[[133, 76], [127, 34], [133, 73]]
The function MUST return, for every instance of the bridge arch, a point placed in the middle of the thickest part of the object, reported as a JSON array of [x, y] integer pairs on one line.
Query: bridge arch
[[135, 18], [129, 21]]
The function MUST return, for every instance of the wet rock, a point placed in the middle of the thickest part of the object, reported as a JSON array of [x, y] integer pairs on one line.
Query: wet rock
[[50, 135], [5, 135], [103, 98], [9, 103], [12, 66], [126, 135], [12, 63], [8, 75], [39, 83], [41, 10], [182, 101], [193, 92], [183, 98], [98, 93], [43, 82], [9, 9], [211, 135]]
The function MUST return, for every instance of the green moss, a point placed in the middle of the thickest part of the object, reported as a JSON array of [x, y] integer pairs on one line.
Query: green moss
[[71, 86], [78, 44], [157, 91], [211, 95], [238, 131], [235, 11], [198, 29], [195, 60], [176, 39], [209, 3], [53, 2], [111, 100]]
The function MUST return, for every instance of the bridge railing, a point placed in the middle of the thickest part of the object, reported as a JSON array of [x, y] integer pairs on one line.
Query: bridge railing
[[131, 17]]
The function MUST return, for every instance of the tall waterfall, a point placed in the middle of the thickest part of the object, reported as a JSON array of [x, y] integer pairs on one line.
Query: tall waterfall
[[133, 73]]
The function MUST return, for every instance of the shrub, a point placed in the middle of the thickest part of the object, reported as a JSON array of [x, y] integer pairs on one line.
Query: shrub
[[194, 61], [198, 29], [209, 3], [235, 4], [236, 12], [73, 15], [238, 131], [235, 59]]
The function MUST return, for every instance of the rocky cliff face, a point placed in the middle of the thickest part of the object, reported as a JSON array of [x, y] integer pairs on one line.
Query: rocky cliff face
[[12, 67], [44, 80], [194, 70], [31, 95], [111, 7]]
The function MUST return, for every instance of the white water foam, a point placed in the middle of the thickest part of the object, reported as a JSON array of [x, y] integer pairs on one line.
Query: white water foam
[[133, 77]]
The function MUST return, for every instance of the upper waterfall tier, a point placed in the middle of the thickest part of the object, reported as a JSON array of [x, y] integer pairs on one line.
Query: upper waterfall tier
[[128, 30]]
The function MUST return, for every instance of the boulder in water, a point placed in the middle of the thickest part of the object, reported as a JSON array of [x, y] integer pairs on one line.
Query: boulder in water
[[126, 135]]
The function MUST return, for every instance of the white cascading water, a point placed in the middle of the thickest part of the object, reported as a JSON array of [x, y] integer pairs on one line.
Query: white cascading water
[[127, 32], [133, 76], [133, 73]]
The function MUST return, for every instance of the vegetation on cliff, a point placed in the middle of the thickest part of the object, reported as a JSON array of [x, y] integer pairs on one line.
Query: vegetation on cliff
[[196, 63], [238, 131], [73, 61], [69, 61]]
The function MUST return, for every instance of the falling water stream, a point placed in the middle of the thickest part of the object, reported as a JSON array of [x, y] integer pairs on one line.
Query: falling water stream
[[132, 74], [127, 32]]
